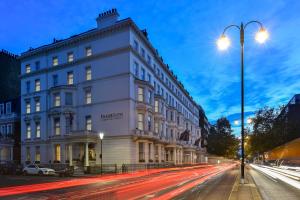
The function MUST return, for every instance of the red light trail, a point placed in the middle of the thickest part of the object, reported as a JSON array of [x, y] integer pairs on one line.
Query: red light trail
[[171, 182]]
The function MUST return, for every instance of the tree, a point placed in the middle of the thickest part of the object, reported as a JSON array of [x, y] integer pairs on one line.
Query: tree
[[221, 141]]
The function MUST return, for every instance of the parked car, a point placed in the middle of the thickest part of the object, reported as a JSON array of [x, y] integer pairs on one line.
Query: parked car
[[67, 171], [38, 170]]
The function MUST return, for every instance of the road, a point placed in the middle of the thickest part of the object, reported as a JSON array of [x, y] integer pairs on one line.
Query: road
[[274, 185], [156, 183], [216, 188]]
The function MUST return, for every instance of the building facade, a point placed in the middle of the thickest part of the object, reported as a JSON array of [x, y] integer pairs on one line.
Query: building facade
[[9, 76], [10, 130], [109, 79]]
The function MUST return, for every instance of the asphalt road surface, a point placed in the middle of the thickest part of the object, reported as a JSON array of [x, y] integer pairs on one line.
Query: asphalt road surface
[[216, 188], [271, 188], [157, 183]]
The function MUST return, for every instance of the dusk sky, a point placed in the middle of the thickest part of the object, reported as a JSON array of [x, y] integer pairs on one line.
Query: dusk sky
[[185, 34]]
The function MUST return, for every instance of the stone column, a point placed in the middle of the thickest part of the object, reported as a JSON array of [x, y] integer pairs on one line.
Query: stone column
[[146, 150], [174, 155], [159, 153], [191, 157], [70, 154], [11, 153], [86, 163]]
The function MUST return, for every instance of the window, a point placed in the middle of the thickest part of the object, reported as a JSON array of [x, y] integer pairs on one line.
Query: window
[[68, 99], [28, 109], [149, 97], [37, 85], [143, 52], [37, 105], [136, 69], [149, 121], [37, 153], [8, 108], [149, 78], [55, 80], [172, 116], [27, 87], [57, 126], [70, 78], [28, 131], [88, 73], [56, 98], [27, 69], [141, 152], [141, 122], [9, 129], [156, 127], [69, 122], [70, 57], [140, 94], [156, 108], [57, 152], [88, 123], [28, 154], [37, 129], [37, 65], [54, 61], [3, 129], [88, 97], [1, 109], [88, 51], [149, 60], [143, 74], [135, 45]]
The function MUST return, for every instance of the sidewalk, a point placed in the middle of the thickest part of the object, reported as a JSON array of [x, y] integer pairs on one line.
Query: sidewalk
[[246, 191]]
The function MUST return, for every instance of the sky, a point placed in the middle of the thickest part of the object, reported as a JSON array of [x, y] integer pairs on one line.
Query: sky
[[185, 34]]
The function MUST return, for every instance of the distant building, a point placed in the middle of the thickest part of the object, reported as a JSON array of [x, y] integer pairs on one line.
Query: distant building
[[10, 130], [9, 76], [109, 79], [204, 127], [290, 116], [9, 106]]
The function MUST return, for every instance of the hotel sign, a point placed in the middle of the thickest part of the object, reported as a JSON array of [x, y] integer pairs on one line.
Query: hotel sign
[[111, 116]]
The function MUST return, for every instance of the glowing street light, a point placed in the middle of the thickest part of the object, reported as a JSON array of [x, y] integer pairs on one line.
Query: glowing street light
[[262, 35], [101, 135], [223, 43], [249, 121], [236, 122]]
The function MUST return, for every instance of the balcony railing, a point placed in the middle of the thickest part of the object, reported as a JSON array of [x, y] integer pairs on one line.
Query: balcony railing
[[9, 116]]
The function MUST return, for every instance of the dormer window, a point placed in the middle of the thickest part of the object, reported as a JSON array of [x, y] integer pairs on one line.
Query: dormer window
[[135, 45]]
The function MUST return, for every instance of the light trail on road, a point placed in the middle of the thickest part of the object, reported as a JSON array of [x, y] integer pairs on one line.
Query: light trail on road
[[278, 174], [154, 183]]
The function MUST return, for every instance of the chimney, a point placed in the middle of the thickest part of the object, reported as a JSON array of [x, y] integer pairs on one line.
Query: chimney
[[107, 18]]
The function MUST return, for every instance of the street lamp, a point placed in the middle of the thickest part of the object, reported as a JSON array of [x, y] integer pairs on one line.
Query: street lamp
[[101, 135], [223, 43]]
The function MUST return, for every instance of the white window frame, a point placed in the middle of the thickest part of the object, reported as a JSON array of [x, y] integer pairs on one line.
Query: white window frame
[[8, 108], [70, 78], [140, 121], [37, 129], [37, 83], [88, 73], [54, 61], [88, 51], [140, 94], [70, 57], [88, 96]]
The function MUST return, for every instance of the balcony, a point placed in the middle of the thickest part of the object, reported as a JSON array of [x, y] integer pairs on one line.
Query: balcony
[[146, 134], [143, 106], [78, 136], [9, 117], [61, 110]]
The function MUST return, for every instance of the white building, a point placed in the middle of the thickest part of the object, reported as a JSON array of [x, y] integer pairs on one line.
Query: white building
[[109, 79], [9, 130]]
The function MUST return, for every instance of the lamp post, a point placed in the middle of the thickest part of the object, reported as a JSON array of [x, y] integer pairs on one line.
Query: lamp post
[[101, 135], [223, 43]]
